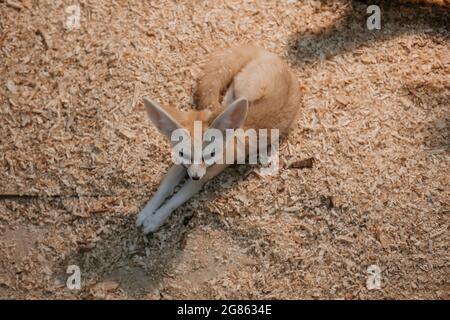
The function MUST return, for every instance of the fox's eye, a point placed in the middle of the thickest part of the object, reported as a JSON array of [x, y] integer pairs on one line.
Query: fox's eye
[[181, 154]]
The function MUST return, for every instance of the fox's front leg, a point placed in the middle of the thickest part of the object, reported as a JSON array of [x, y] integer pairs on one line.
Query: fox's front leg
[[187, 191], [156, 220], [172, 178]]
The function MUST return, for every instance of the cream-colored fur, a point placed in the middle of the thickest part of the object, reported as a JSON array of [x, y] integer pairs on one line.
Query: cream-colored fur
[[260, 92]]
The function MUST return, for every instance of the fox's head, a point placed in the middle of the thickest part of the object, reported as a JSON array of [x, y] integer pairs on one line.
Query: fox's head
[[169, 121]]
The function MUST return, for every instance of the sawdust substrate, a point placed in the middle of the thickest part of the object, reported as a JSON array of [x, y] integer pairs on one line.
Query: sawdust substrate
[[79, 158]]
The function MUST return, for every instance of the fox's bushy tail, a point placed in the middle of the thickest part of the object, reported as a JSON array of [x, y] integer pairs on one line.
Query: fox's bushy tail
[[218, 73]]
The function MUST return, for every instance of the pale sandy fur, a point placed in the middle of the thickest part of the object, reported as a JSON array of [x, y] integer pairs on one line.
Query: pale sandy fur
[[261, 77]]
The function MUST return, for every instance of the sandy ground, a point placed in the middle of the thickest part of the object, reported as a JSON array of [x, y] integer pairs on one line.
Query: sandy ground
[[79, 158]]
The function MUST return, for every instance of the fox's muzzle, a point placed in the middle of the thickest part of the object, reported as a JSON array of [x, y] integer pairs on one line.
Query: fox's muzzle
[[196, 171]]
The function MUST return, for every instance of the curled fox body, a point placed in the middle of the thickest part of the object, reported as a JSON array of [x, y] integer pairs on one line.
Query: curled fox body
[[260, 93]]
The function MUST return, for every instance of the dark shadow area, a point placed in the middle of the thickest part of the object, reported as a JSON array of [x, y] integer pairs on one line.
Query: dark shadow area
[[430, 97], [350, 31], [140, 263], [137, 264], [440, 135]]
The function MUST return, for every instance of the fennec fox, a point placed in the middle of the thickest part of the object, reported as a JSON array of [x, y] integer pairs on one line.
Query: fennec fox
[[261, 93]]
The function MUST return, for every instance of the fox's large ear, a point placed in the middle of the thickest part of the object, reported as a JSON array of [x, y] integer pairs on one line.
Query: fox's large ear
[[233, 117], [161, 119]]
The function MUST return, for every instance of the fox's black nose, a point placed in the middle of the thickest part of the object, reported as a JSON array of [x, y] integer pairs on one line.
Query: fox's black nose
[[195, 178]]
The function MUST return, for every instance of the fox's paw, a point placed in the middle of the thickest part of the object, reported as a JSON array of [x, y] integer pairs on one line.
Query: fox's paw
[[141, 218], [148, 221], [150, 226], [148, 211], [151, 222]]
